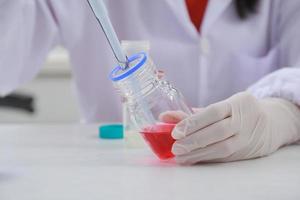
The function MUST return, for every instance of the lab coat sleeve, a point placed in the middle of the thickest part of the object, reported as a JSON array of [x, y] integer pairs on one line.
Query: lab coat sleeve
[[284, 83], [28, 30]]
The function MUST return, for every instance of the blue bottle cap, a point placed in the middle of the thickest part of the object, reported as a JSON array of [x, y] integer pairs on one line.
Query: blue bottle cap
[[111, 131], [118, 73]]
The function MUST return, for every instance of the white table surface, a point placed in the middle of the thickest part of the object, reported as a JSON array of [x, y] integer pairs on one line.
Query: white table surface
[[41, 162]]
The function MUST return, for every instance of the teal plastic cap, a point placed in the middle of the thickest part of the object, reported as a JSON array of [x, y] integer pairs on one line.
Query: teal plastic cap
[[111, 131]]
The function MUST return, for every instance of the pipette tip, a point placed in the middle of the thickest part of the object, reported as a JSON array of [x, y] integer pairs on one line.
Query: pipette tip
[[125, 65]]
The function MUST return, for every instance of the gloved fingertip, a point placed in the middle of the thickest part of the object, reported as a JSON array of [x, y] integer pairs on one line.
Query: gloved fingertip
[[195, 110], [172, 117], [179, 149], [183, 161], [177, 134]]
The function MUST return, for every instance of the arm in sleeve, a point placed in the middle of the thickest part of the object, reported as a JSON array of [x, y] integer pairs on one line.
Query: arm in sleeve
[[28, 30], [284, 83]]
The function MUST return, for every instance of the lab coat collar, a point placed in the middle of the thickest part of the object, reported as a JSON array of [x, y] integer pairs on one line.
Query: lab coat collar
[[213, 11], [179, 9]]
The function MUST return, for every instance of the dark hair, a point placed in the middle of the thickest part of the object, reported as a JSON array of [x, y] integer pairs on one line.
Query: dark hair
[[244, 8]]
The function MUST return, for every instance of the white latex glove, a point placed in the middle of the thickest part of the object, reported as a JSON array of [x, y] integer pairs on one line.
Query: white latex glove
[[238, 128]]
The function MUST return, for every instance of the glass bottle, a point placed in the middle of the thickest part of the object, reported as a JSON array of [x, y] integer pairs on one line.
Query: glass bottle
[[147, 98], [131, 133]]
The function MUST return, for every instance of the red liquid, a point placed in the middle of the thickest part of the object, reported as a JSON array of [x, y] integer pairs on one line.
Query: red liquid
[[160, 140]]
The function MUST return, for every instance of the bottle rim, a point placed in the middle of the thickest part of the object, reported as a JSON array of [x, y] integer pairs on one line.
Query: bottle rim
[[114, 76]]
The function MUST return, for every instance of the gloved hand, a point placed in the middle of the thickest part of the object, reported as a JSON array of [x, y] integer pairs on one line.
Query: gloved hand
[[241, 127]]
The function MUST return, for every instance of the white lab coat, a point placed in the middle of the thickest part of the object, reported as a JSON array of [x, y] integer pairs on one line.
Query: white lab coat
[[229, 56]]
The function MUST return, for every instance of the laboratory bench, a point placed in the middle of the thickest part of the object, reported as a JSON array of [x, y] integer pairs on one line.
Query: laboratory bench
[[41, 162]]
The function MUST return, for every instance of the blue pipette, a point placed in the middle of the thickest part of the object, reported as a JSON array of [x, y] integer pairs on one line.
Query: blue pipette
[[101, 15]]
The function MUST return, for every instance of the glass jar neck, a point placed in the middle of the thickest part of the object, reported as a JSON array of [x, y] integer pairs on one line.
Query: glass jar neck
[[139, 83]]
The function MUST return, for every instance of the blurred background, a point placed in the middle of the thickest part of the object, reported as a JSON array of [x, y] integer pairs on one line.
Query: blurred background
[[49, 98]]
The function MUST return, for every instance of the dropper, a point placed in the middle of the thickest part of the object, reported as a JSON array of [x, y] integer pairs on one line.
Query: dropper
[[101, 15]]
